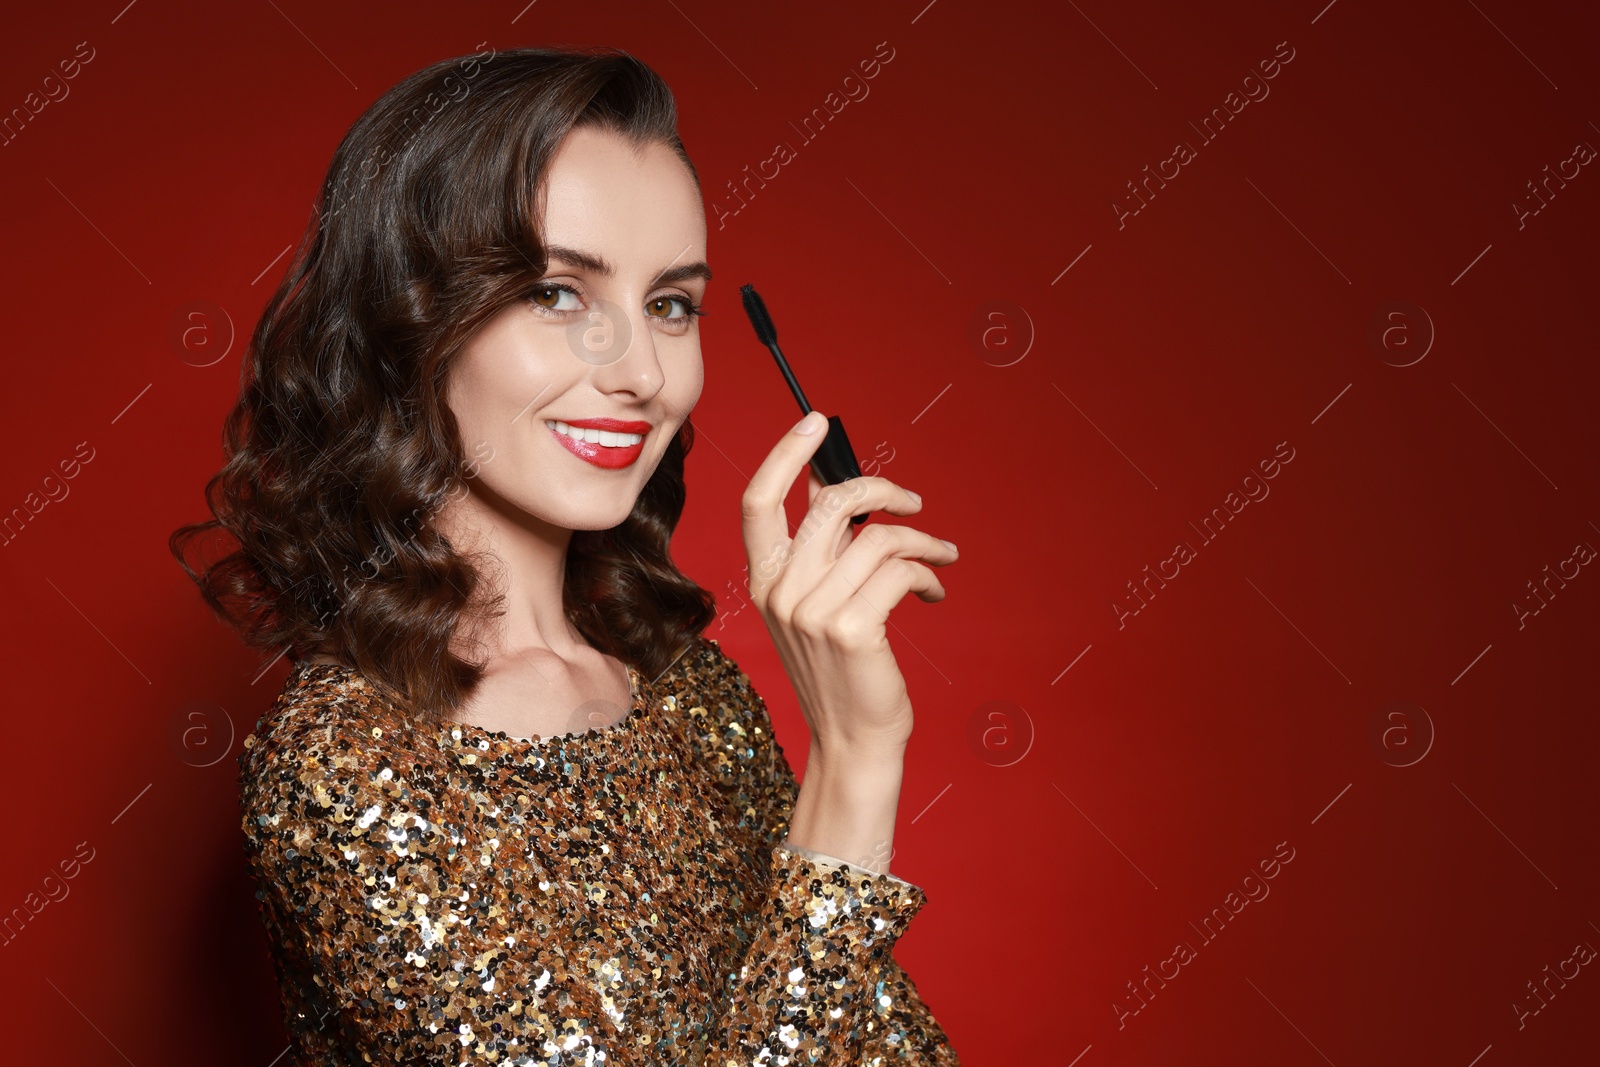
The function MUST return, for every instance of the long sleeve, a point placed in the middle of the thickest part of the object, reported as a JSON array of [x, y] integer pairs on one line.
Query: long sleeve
[[415, 919], [753, 770], [824, 858], [736, 732], [808, 988]]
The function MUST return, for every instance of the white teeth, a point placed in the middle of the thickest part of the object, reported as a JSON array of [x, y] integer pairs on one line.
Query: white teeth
[[605, 438]]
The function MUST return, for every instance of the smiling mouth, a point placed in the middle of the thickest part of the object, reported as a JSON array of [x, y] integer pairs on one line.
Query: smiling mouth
[[608, 449], [594, 436]]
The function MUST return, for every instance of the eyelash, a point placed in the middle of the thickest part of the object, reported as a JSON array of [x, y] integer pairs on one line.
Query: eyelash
[[691, 309]]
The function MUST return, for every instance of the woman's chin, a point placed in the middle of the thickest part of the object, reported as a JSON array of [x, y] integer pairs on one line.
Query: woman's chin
[[599, 517]]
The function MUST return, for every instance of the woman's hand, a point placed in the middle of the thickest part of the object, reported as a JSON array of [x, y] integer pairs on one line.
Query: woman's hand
[[825, 595]]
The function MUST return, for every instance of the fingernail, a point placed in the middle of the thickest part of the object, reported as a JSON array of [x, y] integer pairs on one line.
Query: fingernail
[[951, 544], [914, 496], [810, 424]]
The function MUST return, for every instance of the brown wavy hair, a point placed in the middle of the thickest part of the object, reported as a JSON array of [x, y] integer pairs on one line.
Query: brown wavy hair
[[340, 445]]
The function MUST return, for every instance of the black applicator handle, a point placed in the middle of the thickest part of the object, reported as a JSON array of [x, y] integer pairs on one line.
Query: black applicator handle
[[834, 461]]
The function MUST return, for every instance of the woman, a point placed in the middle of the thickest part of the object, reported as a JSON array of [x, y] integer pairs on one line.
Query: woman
[[511, 806]]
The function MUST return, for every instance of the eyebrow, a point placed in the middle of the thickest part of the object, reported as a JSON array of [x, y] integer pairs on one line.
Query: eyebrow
[[594, 264]]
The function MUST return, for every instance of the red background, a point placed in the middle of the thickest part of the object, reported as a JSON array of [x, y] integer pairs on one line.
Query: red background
[[1233, 313]]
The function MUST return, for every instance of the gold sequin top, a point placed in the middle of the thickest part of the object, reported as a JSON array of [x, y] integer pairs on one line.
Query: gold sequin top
[[442, 893]]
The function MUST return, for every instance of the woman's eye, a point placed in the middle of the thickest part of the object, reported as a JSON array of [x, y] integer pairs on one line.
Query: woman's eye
[[548, 297], [661, 307]]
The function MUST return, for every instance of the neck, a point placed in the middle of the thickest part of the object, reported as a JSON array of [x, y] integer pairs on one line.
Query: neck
[[523, 558]]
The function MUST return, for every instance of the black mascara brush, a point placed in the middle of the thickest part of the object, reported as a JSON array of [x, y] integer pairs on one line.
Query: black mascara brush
[[834, 460]]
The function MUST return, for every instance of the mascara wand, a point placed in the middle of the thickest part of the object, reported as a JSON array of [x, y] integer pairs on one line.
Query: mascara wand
[[834, 461]]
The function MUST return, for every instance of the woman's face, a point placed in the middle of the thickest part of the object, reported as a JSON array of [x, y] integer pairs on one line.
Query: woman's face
[[607, 333]]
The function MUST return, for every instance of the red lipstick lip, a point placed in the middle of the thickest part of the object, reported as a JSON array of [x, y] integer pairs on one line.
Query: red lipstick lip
[[614, 425], [600, 455]]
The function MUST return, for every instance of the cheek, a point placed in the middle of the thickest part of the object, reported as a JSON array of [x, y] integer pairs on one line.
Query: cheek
[[690, 383], [476, 414], [491, 385]]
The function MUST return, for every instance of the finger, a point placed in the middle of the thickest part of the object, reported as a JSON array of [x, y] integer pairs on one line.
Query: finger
[[764, 524], [815, 486], [876, 548], [824, 533], [889, 585], [866, 609]]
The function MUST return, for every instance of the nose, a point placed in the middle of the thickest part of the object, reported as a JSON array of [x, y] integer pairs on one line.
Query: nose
[[625, 358]]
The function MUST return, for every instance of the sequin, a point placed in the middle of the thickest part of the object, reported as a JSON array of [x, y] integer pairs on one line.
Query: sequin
[[442, 893]]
